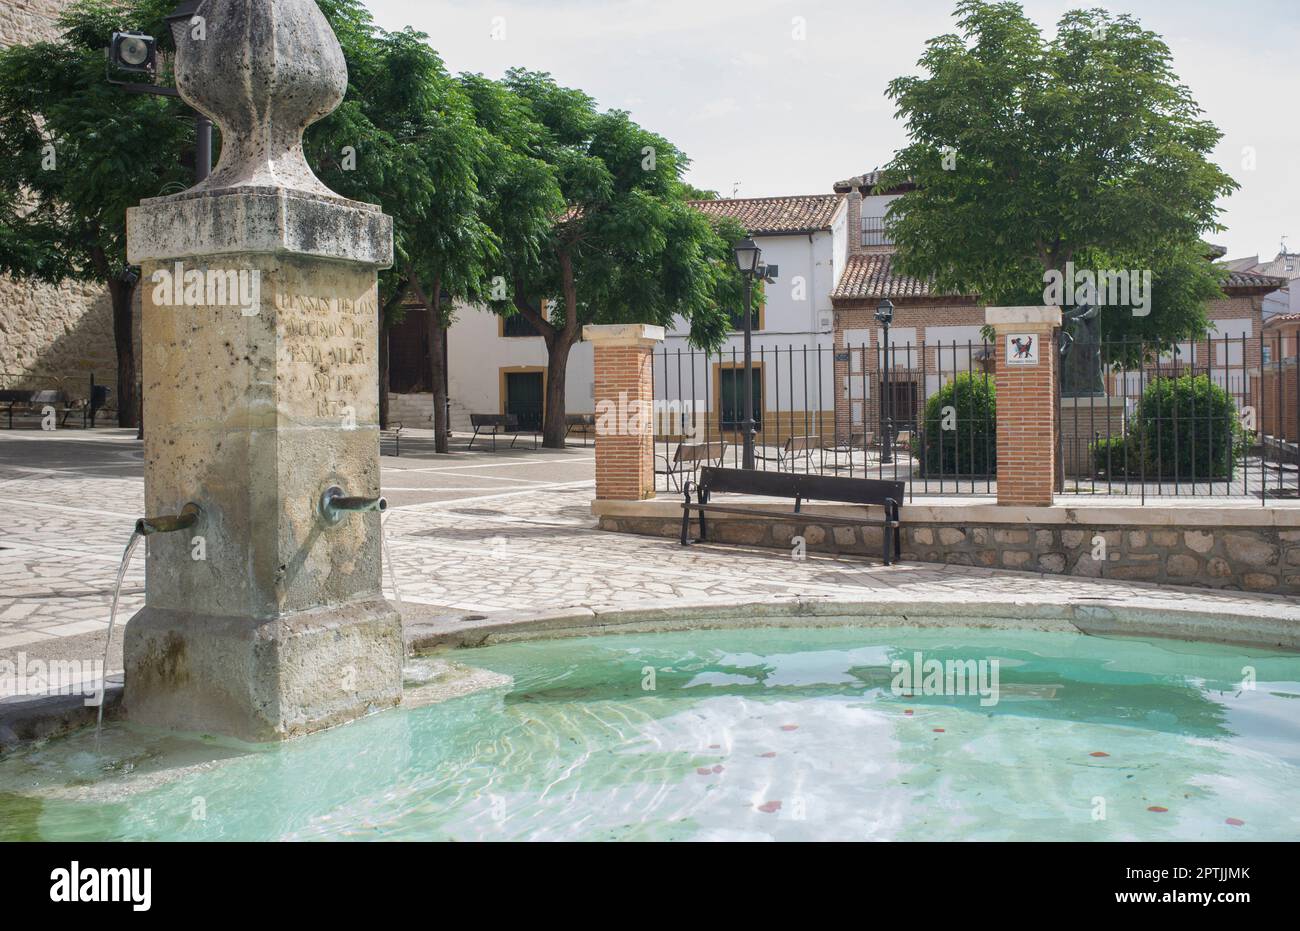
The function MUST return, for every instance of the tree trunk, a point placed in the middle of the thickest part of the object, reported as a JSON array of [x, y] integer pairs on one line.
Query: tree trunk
[[437, 370], [122, 294], [383, 371], [558, 343], [557, 367]]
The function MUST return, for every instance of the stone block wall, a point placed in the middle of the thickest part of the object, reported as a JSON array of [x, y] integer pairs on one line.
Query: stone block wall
[[1259, 558], [29, 20]]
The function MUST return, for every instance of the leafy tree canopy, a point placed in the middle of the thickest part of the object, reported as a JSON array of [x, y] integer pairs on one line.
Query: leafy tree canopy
[[78, 150], [1029, 153]]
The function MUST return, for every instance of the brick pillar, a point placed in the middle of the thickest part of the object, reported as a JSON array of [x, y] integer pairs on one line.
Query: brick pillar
[[1027, 402], [624, 398]]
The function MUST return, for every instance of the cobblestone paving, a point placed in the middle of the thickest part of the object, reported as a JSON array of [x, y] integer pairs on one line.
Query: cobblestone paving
[[480, 533]]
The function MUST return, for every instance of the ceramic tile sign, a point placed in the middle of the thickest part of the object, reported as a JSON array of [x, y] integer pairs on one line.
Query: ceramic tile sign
[[1022, 348]]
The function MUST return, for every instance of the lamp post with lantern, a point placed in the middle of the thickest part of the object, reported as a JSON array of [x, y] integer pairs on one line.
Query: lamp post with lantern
[[885, 317], [748, 259]]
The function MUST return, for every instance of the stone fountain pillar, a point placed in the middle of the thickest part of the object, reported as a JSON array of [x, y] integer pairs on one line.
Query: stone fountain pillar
[[264, 621]]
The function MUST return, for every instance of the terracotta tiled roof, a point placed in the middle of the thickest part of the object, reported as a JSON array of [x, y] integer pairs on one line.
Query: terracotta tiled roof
[[775, 216], [1250, 281], [1282, 318], [872, 275]]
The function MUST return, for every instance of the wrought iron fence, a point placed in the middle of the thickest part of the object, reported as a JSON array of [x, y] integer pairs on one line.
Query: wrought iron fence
[[833, 411], [1218, 417], [1210, 418]]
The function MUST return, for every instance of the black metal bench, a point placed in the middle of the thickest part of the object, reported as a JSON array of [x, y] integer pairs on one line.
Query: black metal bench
[[12, 400], [496, 425], [583, 423], [37, 403], [801, 488]]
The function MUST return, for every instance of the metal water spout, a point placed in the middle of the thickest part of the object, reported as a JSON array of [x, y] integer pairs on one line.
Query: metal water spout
[[187, 518], [334, 504]]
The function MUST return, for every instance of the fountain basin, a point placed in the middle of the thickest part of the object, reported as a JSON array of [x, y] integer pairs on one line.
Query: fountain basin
[[732, 734]]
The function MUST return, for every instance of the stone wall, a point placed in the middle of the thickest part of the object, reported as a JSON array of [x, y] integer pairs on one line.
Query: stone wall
[[1232, 555], [51, 336], [29, 20]]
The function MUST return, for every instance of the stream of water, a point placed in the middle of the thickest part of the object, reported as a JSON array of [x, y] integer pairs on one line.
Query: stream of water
[[136, 537]]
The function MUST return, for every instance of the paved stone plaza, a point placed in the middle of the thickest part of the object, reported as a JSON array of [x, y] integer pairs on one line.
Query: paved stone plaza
[[476, 538]]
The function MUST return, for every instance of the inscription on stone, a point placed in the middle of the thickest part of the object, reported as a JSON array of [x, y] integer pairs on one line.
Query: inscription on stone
[[335, 338]]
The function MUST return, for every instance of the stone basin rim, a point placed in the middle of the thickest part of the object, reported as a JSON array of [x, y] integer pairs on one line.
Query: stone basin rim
[[1277, 630]]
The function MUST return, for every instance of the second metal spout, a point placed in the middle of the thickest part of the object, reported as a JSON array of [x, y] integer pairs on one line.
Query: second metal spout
[[334, 504]]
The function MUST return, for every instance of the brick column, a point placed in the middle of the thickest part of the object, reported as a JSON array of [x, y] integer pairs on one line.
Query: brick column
[[1027, 402], [624, 398]]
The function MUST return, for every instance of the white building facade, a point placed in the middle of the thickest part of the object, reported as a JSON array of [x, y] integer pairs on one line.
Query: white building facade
[[497, 366]]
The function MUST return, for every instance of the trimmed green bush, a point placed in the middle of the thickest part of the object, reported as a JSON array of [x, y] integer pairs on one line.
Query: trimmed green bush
[[1183, 427], [970, 446]]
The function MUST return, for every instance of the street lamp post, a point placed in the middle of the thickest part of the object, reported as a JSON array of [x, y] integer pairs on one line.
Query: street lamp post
[[748, 256], [138, 53], [885, 316]]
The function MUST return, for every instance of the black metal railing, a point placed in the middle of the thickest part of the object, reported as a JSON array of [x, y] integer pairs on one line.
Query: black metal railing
[[823, 410], [1217, 418]]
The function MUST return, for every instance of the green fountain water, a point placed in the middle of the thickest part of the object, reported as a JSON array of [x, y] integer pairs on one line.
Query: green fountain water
[[728, 735]]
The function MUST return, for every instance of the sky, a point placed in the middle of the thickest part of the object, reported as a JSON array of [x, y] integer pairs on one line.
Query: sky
[[763, 113]]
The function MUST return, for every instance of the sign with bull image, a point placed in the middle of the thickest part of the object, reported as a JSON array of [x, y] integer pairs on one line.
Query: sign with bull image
[[1022, 349]]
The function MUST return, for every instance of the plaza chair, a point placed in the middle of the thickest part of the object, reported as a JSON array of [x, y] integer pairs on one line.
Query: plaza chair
[[687, 459], [853, 444], [793, 449]]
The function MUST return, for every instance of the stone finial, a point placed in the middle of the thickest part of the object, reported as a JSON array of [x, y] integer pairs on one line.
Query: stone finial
[[263, 71]]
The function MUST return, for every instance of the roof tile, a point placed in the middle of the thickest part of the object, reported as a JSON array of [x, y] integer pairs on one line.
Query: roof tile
[[1239, 280], [773, 216], [872, 275]]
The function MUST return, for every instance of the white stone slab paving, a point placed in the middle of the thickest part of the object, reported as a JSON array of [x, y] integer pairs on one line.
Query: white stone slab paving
[[496, 549]]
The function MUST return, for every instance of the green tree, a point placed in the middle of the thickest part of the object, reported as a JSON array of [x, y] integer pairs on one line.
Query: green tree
[[1029, 154], [625, 248], [78, 152]]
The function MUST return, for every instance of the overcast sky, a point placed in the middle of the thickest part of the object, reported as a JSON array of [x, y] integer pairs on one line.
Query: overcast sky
[[764, 113]]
